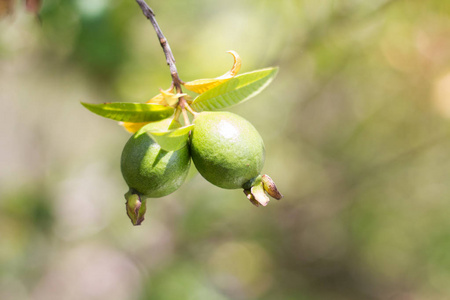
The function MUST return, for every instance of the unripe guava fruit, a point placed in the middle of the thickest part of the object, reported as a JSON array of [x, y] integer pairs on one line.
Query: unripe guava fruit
[[226, 149], [151, 171]]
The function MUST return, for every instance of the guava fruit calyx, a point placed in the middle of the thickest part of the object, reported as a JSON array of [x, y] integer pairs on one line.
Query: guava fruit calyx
[[270, 187], [136, 207], [256, 190]]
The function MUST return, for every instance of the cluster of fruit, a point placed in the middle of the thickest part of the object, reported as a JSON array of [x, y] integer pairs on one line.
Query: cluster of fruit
[[225, 148]]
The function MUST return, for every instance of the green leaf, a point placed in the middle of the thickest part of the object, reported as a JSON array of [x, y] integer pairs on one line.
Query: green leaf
[[174, 124], [169, 140], [131, 112], [235, 90]]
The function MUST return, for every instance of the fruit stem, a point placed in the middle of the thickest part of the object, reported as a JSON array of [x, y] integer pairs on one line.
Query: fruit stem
[[150, 15], [185, 117], [184, 108], [177, 113], [189, 109]]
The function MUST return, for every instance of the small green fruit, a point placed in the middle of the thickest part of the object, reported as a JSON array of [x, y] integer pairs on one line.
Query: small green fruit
[[226, 149], [151, 171]]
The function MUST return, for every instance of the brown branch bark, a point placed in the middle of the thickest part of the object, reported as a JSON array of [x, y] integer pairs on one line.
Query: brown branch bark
[[148, 12]]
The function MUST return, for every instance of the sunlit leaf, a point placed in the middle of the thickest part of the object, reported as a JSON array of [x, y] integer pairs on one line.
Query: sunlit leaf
[[167, 97], [175, 124], [171, 98], [161, 125], [200, 86], [130, 112], [234, 91], [158, 99], [169, 140], [133, 127]]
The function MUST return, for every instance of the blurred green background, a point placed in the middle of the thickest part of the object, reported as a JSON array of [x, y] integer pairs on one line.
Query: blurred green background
[[357, 135]]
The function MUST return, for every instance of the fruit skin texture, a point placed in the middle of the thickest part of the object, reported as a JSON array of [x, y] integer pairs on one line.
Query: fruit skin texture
[[150, 170], [226, 149]]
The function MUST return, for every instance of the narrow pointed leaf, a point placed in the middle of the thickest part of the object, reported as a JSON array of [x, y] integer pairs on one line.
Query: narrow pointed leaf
[[161, 125], [171, 98], [168, 123], [158, 99], [169, 140], [235, 90], [200, 86], [133, 127], [131, 112], [174, 124]]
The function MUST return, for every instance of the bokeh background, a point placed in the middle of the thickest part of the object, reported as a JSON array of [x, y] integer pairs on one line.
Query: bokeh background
[[357, 135]]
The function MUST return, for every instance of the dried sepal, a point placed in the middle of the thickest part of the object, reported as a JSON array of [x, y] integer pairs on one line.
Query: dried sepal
[[270, 187], [256, 190], [252, 199], [259, 194]]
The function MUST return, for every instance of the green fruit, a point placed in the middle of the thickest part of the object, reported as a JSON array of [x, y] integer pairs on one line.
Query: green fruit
[[151, 171], [226, 149]]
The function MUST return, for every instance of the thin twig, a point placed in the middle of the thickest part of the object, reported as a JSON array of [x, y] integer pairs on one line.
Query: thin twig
[[148, 12], [189, 109], [183, 105], [185, 117]]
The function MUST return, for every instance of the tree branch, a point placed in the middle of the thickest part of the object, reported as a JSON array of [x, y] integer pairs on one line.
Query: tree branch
[[148, 12]]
